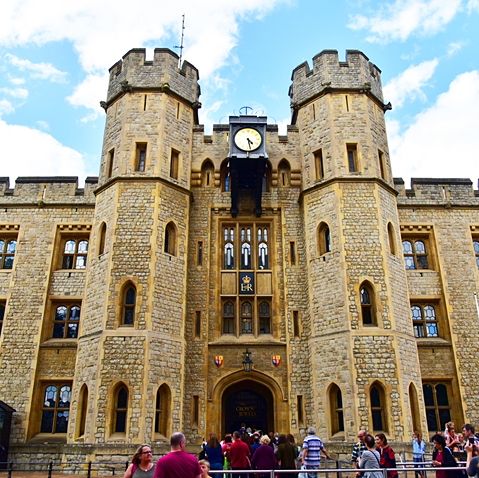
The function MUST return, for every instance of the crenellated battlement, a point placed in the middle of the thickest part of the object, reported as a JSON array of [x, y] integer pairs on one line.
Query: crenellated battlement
[[134, 71], [328, 73], [48, 190], [437, 191]]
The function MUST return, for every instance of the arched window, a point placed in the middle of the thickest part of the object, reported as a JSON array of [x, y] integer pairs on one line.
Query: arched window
[[56, 408], [368, 313], [284, 173], [66, 321], [424, 320], [378, 407], [225, 176], [264, 313], [207, 174], [228, 247], [392, 242], [162, 410], [415, 254], [246, 317], [336, 409], [267, 178], [228, 317], [263, 256], [438, 409], [324, 238], [128, 304], [82, 410], [120, 408], [170, 239], [414, 408], [245, 237], [101, 242]]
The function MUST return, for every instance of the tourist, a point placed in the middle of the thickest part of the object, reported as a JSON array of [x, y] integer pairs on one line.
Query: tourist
[[141, 464], [214, 453], [370, 458], [239, 456], [472, 463], [286, 455], [452, 438], [312, 449], [178, 463], [468, 433], [418, 452], [358, 448], [205, 468], [442, 457], [264, 457], [388, 458]]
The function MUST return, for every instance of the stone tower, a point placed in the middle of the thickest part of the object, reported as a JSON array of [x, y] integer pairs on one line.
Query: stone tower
[[131, 346], [363, 352]]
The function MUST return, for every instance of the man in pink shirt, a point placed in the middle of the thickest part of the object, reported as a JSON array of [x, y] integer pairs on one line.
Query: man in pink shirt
[[239, 456], [178, 463]]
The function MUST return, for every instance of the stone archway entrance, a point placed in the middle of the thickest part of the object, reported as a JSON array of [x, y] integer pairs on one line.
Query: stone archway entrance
[[247, 403]]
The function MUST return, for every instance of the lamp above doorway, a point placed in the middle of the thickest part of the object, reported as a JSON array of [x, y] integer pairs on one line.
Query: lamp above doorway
[[247, 361]]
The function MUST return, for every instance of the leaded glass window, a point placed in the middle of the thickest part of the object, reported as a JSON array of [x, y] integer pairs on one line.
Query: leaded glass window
[[424, 320], [367, 305], [75, 253], [121, 409], [246, 318], [228, 317], [438, 409], [8, 248], [415, 254], [55, 408], [128, 306], [264, 317], [66, 321], [377, 400]]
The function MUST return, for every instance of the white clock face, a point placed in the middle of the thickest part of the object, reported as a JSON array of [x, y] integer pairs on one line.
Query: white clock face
[[248, 139]]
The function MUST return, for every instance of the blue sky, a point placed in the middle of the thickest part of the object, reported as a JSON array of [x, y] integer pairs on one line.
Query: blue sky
[[54, 57]]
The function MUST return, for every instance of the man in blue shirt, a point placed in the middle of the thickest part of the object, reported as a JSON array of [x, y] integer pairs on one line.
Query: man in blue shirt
[[312, 449]]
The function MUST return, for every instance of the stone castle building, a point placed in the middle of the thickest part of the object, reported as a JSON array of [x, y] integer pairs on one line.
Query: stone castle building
[[206, 281]]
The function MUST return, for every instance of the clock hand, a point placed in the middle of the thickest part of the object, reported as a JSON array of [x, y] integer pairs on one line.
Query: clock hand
[[250, 143]]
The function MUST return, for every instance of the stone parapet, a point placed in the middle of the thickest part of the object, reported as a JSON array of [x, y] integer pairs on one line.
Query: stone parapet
[[134, 71], [328, 73]]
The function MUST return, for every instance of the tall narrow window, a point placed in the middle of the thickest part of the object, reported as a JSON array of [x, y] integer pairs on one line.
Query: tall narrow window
[[207, 174], [336, 409], [367, 304], [292, 253], [318, 164], [82, 410], [101, 242], [162, 410], [109, 163], [391, 239], [55, 408], [475, 243], [7, 252], [424, 320], [324, 238], [2, 314], [284, 173], [296, 331], [140, 160], [377, 401], [120, 410], [263, 256], [174, 163], [414, 407], [197, 323], [299, 406], [199, 253], [246, 317], [352, 151], [228, 317], [128, 304], [245, 238], [415, 254], [170, 239], [196, 409], [438, 410], [264, 314], [75, 254], [225, 176], [382, 167], [66, 321]]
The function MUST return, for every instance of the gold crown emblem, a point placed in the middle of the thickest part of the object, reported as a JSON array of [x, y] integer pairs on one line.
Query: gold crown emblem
[[246, 279]]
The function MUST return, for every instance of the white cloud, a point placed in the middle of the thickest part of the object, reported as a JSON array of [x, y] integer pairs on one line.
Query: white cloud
[[472, 5], [89, 93], [42, 154], [6, 107], [21, 93], [441, 135], [40, 71], [410, 84], [403, 18], [17, 81], [454, 47]]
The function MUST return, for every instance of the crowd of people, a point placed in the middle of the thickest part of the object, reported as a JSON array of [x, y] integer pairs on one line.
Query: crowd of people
[[247, 450]]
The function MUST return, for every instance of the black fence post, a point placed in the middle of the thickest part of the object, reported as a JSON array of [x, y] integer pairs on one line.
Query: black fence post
[[10, 470], [89, 469], [50, 469]]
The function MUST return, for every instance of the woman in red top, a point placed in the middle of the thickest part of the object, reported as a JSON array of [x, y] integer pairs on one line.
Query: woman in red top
[[442, 456], [387, 456]]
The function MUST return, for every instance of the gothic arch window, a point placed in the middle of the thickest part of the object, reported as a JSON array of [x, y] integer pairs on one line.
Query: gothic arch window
[[377, 400], [162, 410], [266, 185], [246, 317], [368, 312], [82, 410], [120, 408], [264, 314], [245, 238], [263, 256], [55, 408], [391, 240], [284, 173], [228, 248], [102, 236], [229, 317], [336, 409], [207, 174], [170, 238], [414, 407], [324, 238], [128, 304], [225, 176]]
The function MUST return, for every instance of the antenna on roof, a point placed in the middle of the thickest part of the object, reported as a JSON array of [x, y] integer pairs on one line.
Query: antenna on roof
[[180, 47]]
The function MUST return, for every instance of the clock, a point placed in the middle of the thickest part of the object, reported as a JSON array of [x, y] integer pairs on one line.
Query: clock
[[248, 139]]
